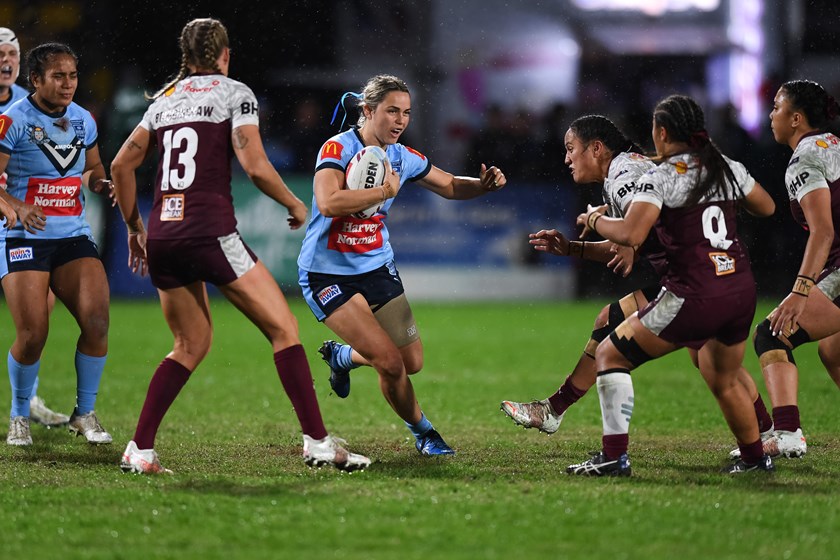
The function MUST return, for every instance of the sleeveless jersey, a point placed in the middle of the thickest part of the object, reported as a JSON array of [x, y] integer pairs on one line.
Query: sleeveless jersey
[[618, 190], [192, 123], [47, 159], [705, 255], [348, 245], [815, 164]]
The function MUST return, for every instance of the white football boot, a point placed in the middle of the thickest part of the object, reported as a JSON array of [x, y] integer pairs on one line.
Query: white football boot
[[534, 414], [40, 413], [88, 425], [141, 461], [779, 443], [329, 451], [19, 433]]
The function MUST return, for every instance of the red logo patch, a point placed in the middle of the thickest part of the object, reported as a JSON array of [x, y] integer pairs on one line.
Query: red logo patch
[[57, 197], [5, 125], [332, 150], [352, 235], [416, 153]]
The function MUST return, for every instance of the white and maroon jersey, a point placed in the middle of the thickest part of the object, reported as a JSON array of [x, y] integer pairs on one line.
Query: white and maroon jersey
[[620, 184], [618, 190], [192, 123], [815, 164], [705, 255]]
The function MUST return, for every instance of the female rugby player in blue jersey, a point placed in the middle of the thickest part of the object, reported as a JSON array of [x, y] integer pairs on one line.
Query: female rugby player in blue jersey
[[11, 93], [350, 281], [47, 143]]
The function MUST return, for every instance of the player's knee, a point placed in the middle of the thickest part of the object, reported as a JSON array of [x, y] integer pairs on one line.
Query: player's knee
[[389, 364], [95, 326], [608, 319], [770, 349], [413, 364], [30, 342], [630, 349], [191, 350]]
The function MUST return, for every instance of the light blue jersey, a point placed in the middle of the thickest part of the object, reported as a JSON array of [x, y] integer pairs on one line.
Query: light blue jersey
[[18, 93], [348, 245], [47, 159]]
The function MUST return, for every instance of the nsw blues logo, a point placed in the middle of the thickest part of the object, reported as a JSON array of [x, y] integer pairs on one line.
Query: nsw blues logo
[[62, 156]]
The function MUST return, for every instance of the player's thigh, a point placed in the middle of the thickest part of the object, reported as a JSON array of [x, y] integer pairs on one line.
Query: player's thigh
[[26, 298], [355, 323], [821, 316], [257, 295], [82, 286]]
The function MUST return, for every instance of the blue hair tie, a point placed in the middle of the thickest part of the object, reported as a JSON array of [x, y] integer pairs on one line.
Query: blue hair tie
[[340, 104]]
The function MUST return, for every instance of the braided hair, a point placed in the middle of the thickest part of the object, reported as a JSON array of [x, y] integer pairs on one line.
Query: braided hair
[[811, 99], [201, 42], [375, 91], [685, 122], [38, 58], [598, 127]]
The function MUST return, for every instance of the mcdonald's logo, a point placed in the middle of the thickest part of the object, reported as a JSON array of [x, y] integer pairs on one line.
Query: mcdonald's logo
[[332, 150], [5, 125]]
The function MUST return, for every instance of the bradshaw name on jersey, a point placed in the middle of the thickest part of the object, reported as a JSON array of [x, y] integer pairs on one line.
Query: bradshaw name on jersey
[[348, 245], [192, 123], [701, 241], [46, 160], [815, 164]]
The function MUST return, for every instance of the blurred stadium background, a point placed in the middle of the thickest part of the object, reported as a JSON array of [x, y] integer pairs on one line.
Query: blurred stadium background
[[492, 81]]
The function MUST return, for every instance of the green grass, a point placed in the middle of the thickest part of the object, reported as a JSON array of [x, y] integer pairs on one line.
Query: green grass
[[241, 489]]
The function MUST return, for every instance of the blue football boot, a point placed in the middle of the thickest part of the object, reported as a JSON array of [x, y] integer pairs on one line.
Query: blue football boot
[[431, 443], [339, 376]]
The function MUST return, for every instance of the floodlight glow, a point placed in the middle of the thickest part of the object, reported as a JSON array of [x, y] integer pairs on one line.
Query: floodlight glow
[[648, 7]]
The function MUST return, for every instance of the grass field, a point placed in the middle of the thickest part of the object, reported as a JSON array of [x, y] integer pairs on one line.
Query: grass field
[[241, 489]]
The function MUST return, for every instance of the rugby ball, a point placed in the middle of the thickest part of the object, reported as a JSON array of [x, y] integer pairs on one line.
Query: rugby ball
[[367, 170]]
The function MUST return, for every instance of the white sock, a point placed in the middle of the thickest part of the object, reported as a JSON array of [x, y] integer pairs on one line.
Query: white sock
[[615, 390]]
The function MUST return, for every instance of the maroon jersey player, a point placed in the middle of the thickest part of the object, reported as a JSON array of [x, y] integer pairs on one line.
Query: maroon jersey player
[[708, 298], [196, 122]]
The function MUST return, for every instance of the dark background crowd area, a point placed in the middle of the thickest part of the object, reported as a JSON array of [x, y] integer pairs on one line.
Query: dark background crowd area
[[127, 49]]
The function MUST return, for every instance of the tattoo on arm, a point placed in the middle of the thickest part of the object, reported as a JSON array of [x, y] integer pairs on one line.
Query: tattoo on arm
[[132, 145], [239, 139]]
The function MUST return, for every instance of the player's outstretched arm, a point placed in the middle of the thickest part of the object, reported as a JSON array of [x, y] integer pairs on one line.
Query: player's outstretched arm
[[449, 186], [631, 231]]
